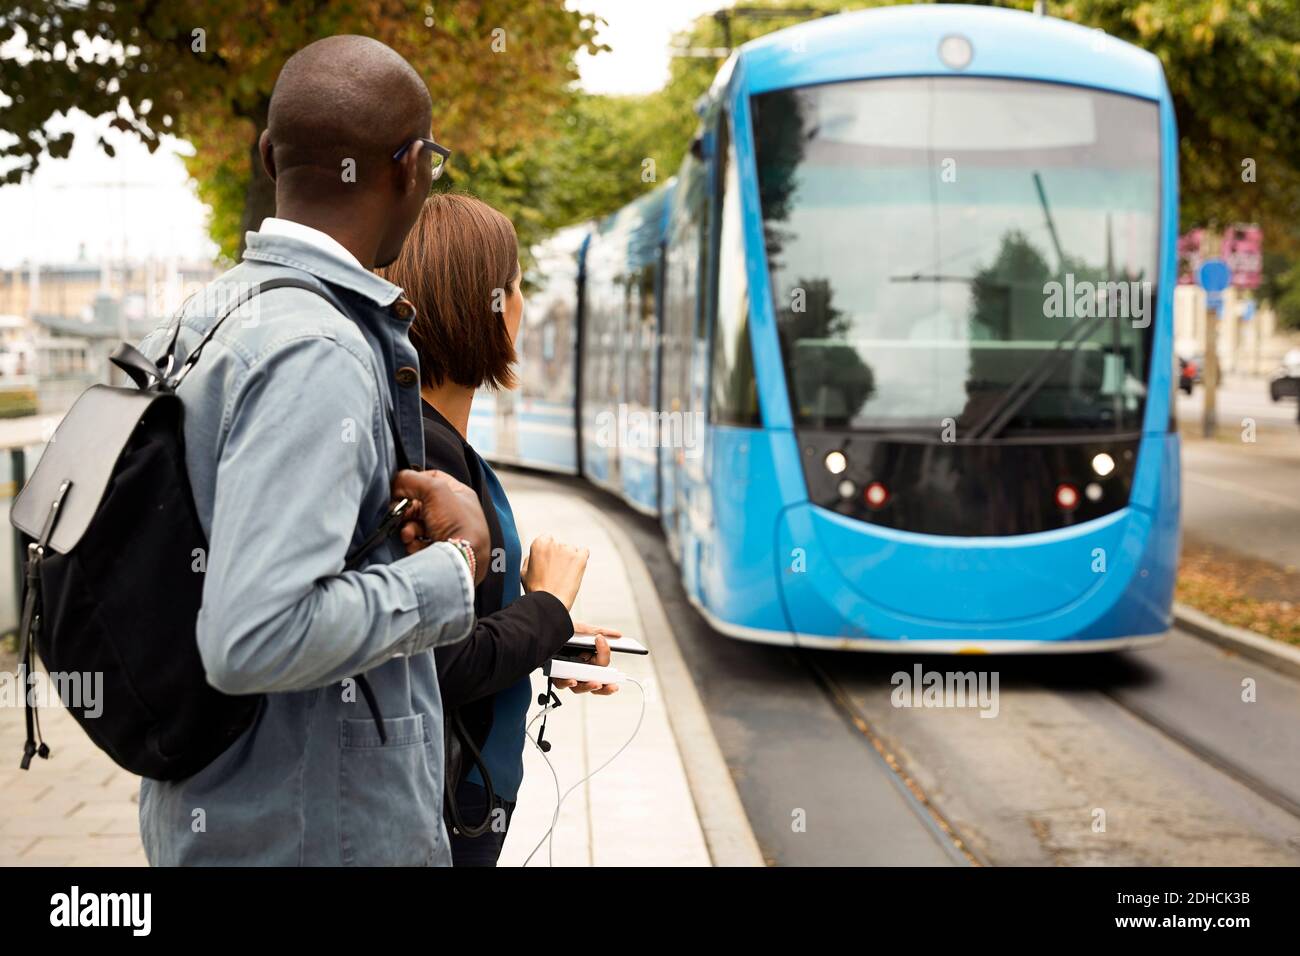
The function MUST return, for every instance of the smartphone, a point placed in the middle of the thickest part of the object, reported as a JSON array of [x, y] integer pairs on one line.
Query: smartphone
[[582, 643]]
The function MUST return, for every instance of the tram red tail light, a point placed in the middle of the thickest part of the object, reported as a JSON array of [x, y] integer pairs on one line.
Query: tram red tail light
[[876, 495], [1067, 497]]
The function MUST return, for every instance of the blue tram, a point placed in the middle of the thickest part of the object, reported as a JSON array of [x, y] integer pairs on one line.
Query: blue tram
[[891, 357]]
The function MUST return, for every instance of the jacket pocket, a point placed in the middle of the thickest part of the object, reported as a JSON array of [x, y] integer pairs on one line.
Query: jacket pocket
[[388, 798]]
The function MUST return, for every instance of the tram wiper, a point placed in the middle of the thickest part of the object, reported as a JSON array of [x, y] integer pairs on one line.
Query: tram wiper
[[920, 277], [1032, 379], [1035, 377]]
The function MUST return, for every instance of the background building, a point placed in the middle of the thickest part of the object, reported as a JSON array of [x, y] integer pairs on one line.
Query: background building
[[60, 322]]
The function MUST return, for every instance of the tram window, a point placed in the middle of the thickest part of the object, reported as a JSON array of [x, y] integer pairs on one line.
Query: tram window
[[629, 359], [685, 289], [701, 200], [903, 299], [643, 336], [734, 392]]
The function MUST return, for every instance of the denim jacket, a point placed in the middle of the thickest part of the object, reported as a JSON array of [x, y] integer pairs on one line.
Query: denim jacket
[[291, 459]]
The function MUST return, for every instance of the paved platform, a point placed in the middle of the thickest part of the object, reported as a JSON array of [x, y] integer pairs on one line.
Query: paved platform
[[75, 809], [639, 810], [79, 809]]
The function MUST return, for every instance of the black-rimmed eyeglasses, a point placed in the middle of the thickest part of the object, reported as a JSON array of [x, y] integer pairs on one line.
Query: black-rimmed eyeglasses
[[440, 153]]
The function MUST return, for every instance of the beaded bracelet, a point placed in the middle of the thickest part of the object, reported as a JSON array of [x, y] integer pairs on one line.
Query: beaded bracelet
[[467, 551]]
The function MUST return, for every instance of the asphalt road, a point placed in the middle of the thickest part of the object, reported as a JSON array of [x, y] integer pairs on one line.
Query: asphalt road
[[1145, 758], [1237, 399], [1245, 496]]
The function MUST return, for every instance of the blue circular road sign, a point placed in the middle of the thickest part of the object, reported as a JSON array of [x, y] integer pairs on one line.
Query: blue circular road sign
[[1214, 275]]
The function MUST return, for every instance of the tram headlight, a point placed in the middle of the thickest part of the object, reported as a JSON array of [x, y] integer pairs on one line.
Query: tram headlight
[[1103, 464], [836, 462]]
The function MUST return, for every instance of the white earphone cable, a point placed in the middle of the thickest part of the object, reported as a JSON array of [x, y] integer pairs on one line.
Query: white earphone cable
[[549, 836]]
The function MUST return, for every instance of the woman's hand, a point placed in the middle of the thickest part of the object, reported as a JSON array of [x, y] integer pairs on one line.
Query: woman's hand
[[554, 567], [600, 658]]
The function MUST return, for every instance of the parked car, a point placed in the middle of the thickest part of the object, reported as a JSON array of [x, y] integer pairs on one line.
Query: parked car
[[1285, 380]]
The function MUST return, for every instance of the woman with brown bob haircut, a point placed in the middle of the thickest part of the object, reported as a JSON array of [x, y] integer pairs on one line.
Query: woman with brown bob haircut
[[460, 269]]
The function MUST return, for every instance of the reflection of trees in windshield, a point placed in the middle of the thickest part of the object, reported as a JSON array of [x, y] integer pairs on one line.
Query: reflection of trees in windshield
[[779, 138], [1013, 282], [1010, 297], [1010, 301], [831, 382]]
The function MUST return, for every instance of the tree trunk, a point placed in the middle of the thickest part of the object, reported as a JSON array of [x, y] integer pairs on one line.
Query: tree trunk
[[259, 194]]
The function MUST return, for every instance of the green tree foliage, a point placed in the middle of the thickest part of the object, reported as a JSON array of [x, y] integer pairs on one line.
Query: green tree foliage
[[203, 70], [1280, 287], [1233, 69], [548, 156], [603, 146], [1234, 73], [594, 156], [606, 152]]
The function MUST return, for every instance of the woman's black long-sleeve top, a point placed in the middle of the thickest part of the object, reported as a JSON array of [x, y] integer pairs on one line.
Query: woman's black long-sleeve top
[[507, 643]]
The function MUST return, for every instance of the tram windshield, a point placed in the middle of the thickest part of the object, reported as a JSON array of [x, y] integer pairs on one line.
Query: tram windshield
[[977, 250]]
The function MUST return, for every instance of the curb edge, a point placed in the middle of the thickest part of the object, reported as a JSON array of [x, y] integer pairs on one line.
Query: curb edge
[[1280, 657]]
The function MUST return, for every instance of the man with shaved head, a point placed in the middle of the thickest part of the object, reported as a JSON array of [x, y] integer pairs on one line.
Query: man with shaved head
[[302, 409], [340, 109]]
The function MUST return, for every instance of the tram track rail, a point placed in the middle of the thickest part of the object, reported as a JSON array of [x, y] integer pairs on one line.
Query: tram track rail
[[944, 831], [1211, 756]]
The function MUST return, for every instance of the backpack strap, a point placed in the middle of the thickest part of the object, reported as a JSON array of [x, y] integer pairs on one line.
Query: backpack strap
[[169, 353], [135, 364], [283, 282], [123, 358], [28, 628]]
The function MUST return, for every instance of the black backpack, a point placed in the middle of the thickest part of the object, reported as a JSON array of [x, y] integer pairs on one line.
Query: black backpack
[[111, 584]]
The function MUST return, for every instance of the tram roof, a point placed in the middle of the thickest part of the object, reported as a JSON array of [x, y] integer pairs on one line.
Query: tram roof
[[905, 40]]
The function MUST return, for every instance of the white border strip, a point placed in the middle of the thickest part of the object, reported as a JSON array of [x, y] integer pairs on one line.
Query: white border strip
[[939, 646]]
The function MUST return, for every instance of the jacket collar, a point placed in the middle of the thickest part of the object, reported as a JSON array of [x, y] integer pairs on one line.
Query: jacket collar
[[299, 254]]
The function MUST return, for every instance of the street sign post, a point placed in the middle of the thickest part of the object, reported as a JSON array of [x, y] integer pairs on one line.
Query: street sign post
[[1213, 275]]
